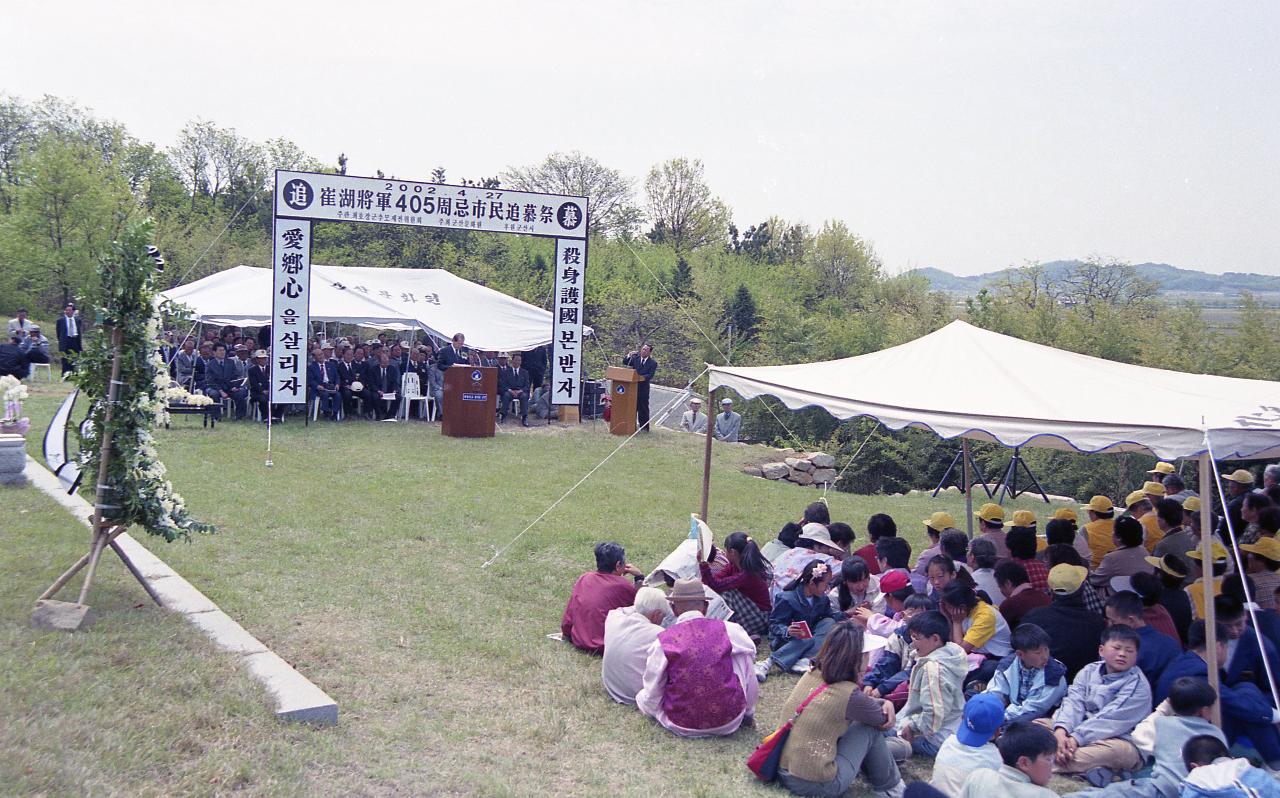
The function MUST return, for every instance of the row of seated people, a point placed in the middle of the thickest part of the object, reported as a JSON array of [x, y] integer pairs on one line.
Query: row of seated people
[[345, 380], [1094, 665]]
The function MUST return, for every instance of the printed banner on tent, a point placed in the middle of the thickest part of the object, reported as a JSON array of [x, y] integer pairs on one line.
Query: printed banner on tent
[[290, 322], [345, 198], [566, 315]]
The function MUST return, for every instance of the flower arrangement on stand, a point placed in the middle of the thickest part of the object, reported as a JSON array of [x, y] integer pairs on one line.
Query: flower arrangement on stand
[[135, 476], [12, 392]]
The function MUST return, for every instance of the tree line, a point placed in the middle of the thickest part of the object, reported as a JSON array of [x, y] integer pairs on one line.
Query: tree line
[[668, 264]]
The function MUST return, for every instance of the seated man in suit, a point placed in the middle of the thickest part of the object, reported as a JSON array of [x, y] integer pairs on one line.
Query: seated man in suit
[[260, 388], [220, 381], [322, 382], [381, 381], [183, 368], [13, 361], [513, 386], [430, 377], [350, 373]]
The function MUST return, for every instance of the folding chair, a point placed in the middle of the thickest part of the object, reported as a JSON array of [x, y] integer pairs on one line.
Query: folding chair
[[48, 370]]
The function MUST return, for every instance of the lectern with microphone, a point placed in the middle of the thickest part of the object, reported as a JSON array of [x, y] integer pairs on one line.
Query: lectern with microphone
[[470, 401], [623, 386]]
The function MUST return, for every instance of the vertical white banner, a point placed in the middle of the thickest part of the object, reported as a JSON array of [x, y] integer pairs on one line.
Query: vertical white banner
[[290, 311], [565, 367]]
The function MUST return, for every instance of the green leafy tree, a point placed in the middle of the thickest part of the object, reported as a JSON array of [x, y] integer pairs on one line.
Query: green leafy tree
[[683, 211], [69, 205], [609, 192]]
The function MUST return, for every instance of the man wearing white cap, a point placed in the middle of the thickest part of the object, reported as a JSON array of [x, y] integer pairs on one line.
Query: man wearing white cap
[[728, 423], [694, 420]]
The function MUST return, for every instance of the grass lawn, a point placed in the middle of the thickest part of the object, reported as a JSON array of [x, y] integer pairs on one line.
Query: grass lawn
[[357, 558]]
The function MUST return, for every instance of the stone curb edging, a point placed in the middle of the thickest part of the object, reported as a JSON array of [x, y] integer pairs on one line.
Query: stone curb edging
[[296, 697]]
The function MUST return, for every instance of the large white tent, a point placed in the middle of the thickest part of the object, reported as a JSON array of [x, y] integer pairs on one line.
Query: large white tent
[[963, 381], [433, 300]]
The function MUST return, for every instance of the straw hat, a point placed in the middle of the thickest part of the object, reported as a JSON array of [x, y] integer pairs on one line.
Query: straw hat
[[1191, 504], [1162, 468], [1153, 488], [1219, 553], [1134, 498], [818, 534], [1171, 564], [687, 590]]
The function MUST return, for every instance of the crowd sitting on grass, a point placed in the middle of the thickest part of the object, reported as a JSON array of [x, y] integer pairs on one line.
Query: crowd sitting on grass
[[1007, 658], [349, 378]]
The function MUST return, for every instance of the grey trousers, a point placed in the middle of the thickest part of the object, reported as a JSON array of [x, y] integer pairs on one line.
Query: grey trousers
[[862, 749], [1132, 788]]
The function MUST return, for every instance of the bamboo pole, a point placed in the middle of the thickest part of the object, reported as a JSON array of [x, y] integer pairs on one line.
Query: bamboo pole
[[133, 569], [75, 569], [968, 486], [104, 458], [706, 454], [1206, 560]]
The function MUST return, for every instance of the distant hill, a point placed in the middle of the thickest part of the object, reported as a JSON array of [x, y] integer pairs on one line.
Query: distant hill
[[1171, 279]]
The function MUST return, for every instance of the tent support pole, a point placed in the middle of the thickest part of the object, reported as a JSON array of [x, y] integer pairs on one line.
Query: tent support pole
[[1206, 555], [706, 456], [968, 487]]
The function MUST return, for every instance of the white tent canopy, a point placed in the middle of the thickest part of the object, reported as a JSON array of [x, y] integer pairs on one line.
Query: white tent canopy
[[428, 299], [962, 381]]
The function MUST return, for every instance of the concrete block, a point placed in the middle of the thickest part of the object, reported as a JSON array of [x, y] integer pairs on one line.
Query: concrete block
[[225, 633], [62, 616], [297, 699]]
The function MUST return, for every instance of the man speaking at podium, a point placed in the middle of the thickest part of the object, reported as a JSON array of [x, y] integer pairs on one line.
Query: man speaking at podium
[[645, 367]]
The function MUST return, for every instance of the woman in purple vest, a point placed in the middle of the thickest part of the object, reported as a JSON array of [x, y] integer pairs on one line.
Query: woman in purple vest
[[698, 679]]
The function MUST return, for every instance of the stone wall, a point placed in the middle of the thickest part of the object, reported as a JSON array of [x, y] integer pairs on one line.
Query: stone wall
[[815, 469]]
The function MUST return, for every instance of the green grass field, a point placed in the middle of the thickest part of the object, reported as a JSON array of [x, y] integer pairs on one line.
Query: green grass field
[[357, 558]]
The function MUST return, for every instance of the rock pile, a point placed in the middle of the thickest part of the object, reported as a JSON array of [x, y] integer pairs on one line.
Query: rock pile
[[816, 469]]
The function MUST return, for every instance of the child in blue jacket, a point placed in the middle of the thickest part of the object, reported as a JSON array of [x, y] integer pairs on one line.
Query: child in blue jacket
[[1029, 681]]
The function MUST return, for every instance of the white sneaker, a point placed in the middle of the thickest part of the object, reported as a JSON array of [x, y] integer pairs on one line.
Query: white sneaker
[[802, 666], [896, 791], [762, 670]]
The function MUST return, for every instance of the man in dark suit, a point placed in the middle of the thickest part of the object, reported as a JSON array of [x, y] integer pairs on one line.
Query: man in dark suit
[[513, 386], [322, 382], [454, 353], [645, 367], [260, 387], [383, 378], [69, 331], [349, 373], [220, 381], [400, 356]]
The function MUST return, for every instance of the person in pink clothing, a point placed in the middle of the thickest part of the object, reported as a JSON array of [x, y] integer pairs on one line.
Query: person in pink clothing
[[698, 680], [595, 593]]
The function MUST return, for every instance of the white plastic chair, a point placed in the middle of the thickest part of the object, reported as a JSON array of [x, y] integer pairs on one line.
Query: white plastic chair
[[410, 392], [48, 370]]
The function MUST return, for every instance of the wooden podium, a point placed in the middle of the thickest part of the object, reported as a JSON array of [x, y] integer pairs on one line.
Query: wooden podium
[[470, 401], [623, 387]]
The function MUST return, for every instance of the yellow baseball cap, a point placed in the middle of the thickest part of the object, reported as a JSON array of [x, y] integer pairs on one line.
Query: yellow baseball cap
[[1219, 553], [940, 520], [1134, 498], [1153, 488], [1065, 514], [1171, 564], [1099, 504], [990, 512], [1191, 504], [1024, 518], [1240, 475], [1162, 468], [1066, 579], [1266, 547]]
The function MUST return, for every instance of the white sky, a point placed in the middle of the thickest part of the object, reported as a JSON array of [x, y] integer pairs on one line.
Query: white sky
[[966, 136]]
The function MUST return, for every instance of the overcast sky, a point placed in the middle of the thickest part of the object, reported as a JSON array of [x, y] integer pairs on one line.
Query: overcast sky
[[966, 136]]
